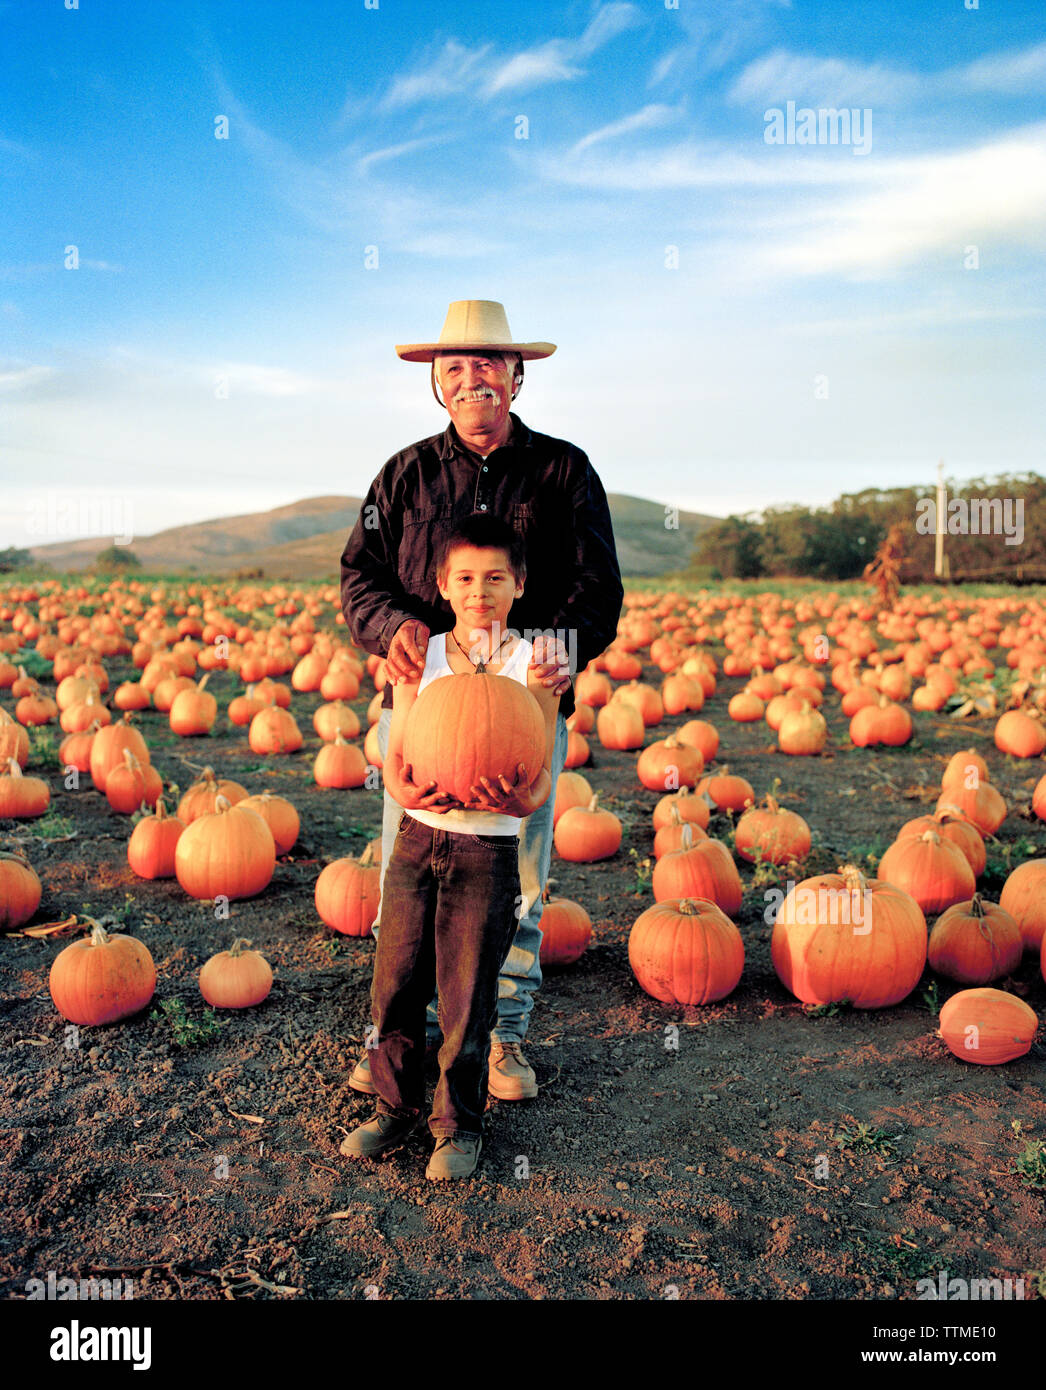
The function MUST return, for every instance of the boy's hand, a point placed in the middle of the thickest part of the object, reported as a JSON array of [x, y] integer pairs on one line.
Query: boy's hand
[[551, 664], [430, 798], [505, 799]]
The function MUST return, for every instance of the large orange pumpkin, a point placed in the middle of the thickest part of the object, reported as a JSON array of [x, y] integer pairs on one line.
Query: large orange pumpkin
[[934, 871], [102, 978], [686, 951], [463, 728], [987, 1026], [228, 852], [842, 936]]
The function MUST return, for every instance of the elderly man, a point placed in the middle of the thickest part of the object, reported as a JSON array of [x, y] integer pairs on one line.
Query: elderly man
[[486, 461]]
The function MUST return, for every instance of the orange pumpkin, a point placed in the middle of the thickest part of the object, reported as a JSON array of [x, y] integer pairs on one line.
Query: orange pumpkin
[[669, 764], [20, 891], [619, 724], [274, 731], [987, 1026], [154, 840], [842, 936], [772, 835], [101, 978], [340, 765], [279, 815], [463, 728], [572, 789], [348, 893], [686, 951], [22, 798], [566, 930], [975, 942], [699, 869], [228, 852], [687, 803], [193, 710], [1020, 733], [236, 979], [935, 872], [587, 833], [1023, 896], [199, 799]]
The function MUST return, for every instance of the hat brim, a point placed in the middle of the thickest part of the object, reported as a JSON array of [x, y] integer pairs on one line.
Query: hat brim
[[426, 352]]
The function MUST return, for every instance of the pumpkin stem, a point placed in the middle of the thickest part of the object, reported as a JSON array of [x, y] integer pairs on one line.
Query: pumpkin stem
[[771, 804], [367, 856], [688, 907], [237, 946], [687, 837], [853, 878], [592, 805], [222, 804], [161, 809], [14, 768], [977, 907], [99, 936]]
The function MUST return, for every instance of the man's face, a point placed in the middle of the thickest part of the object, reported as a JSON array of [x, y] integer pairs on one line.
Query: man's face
[[477, 390]]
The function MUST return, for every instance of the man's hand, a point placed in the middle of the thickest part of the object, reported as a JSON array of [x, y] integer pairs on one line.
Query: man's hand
[[551, 664], [406, 658]]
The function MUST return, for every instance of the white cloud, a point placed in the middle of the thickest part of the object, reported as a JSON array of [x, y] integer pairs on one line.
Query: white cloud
[[646, 119], [458, 71], [367, 161], [452, 72], [15, 378], [263, 381], [780, 76], [992, 196]]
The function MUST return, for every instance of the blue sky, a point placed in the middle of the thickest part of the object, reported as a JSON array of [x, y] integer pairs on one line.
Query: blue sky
[[740, 323]]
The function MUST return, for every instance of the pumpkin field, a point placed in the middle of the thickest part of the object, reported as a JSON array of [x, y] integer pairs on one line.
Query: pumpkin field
[[789, 1042]]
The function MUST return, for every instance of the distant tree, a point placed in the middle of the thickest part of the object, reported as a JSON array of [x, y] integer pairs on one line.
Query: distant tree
[[116, 557], [12, 559], [731, 548]]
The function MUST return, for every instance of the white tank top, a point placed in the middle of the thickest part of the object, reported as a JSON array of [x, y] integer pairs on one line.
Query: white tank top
[[470, 822]]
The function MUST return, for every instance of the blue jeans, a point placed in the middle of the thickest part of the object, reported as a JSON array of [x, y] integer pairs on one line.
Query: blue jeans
[[520, 976], [451, 901]]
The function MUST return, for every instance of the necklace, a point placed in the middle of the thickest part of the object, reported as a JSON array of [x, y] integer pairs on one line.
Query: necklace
[[480, 666]]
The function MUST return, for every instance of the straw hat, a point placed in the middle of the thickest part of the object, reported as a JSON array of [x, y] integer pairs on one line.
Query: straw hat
[[474, 325]]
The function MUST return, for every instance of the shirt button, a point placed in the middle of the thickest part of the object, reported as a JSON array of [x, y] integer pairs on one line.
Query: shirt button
[[484, 468], [483, 506]]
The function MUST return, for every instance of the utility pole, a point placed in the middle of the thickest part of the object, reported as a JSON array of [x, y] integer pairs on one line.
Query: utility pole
[[939, 568]]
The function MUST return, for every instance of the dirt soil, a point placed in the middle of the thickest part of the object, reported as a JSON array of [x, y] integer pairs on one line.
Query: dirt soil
[[672, 1152]]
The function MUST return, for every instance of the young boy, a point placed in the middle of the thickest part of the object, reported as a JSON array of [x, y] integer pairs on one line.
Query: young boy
[[451, 892]]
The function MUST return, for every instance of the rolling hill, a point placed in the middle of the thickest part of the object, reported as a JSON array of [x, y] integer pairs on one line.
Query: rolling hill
[[304, 540]]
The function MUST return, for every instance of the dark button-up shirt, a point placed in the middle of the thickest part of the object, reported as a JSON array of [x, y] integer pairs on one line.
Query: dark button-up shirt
[[544, 487]]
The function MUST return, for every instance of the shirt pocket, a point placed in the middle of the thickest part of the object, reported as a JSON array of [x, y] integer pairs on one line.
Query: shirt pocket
[[416, 561]]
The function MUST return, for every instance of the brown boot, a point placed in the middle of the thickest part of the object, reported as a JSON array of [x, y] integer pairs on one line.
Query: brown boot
[[509, 1076]]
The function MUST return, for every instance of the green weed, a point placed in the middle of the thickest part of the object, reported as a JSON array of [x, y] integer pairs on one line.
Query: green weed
[[862, 1137], [188, 1032]]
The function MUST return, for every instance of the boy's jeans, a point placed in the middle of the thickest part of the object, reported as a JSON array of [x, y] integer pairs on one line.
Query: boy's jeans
[[450, 903], [520, 976]]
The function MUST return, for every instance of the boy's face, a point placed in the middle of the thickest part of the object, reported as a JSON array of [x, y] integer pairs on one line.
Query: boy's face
[[479, 585]]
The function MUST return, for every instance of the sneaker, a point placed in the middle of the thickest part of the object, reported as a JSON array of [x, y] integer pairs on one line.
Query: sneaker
[[509, 1076], [379, 1135], [454, 1158]]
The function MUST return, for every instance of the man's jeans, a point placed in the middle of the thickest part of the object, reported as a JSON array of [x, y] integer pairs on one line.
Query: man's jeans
[[520, 976], [451, 904]]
